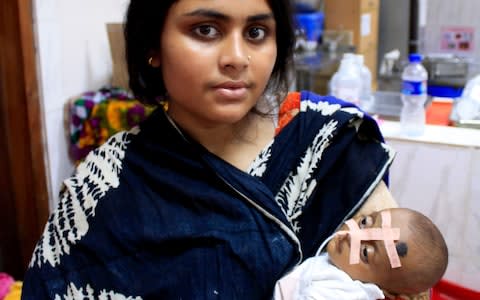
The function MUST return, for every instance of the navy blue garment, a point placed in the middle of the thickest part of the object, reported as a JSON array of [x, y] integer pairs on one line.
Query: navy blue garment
[[152, 214]]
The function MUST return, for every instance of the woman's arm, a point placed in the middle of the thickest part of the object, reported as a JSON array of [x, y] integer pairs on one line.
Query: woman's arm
[[380, 198]]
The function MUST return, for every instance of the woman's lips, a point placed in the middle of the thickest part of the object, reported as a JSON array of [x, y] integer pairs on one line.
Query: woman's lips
[[232, 93], [232, 89]]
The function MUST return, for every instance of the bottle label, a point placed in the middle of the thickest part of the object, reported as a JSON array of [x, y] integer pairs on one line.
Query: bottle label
[[414, 87]]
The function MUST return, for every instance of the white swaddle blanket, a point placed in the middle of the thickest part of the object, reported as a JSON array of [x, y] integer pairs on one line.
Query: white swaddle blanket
[[317, 279]]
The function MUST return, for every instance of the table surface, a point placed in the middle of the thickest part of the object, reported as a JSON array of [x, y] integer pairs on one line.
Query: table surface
[[437, 134]]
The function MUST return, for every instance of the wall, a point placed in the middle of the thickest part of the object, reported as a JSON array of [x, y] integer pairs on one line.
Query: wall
[[433, 16], [438, 175], [393, 27], [442, 13], [74, 56]]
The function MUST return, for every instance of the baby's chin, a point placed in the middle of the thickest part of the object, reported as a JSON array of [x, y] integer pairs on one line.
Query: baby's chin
[[335, 250]]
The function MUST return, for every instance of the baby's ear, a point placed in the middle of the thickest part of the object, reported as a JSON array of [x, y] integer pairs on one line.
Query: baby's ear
[[421, 296]]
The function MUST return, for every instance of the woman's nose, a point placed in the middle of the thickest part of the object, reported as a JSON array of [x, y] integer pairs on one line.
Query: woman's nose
[[234, 53]]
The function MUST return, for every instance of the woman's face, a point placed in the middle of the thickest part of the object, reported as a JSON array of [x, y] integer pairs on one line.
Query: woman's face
[[216, 58]]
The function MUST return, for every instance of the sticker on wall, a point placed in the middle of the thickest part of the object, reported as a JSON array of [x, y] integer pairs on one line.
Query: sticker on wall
[[365, 24], [457, 39]]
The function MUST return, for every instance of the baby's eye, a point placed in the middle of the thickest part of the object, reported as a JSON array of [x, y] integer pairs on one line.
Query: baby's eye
[[365, 251], [206, 31], [365, 222], [256, 33]]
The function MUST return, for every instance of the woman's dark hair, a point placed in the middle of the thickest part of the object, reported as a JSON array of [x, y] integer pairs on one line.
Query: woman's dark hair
[[144, 24]]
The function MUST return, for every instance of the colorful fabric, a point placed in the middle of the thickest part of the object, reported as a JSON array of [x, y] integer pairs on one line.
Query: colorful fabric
[[6, 282], [288, 110], [152, 214], [96, 116], [15, 292]]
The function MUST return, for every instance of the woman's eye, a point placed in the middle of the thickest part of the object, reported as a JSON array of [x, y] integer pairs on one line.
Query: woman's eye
[[256, 33], [206, 31]]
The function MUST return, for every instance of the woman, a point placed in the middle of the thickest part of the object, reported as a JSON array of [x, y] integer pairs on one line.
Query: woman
[[209, 198]]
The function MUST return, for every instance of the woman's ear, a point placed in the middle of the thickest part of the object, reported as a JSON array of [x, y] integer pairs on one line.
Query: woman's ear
[[154, 60]]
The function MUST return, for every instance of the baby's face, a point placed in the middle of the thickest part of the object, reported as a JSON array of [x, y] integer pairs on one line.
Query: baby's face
[[374, 263]]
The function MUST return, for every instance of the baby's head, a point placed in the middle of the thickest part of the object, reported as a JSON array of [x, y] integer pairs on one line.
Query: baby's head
[[420, 247]]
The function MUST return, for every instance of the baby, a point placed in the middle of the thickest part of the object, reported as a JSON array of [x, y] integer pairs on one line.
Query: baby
[[397, 251]]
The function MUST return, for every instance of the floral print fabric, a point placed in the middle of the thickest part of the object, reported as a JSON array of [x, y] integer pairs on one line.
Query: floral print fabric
[[97, 115]]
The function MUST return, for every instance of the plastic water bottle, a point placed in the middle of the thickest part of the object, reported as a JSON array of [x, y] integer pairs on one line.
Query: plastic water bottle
[[366, 98], [346, 83], [414, 96]]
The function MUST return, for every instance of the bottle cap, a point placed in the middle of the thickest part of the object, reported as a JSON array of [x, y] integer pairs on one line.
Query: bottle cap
[[349, 56], [415, 57], [360, 58], [311, 24]]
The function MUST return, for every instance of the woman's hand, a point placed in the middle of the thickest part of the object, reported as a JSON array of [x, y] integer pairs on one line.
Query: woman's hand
[[422, 296], [380, 198]]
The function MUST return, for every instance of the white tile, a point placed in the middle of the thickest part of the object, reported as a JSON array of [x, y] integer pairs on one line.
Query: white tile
[[46, 10], [441, 181], [441, 13], [51, 64], [60, 165]]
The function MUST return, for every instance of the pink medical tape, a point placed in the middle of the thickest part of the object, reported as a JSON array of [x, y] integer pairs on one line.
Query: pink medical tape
[[386, 233], [390, 235]]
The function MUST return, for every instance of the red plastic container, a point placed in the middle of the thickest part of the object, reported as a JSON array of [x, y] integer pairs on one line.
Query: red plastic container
[[446, 290]]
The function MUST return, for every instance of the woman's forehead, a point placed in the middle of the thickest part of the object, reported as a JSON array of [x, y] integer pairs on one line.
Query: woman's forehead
[[238, 6]]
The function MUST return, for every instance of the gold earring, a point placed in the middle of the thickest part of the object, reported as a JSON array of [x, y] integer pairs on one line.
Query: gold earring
[[150, 60]]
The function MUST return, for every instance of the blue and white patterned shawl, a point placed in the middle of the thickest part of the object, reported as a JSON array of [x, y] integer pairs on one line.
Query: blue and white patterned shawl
[[151, 214]]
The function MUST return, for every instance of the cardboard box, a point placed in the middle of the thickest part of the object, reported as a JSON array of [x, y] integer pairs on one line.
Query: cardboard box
[[117, 51], [360, 17]]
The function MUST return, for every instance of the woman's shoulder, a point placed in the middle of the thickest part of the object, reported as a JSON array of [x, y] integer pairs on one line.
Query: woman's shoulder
[[79, 197], [302, 101]]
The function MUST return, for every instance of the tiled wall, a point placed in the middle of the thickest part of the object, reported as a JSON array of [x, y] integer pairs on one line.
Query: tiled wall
[[441, 181], [442, 13], [74, 56]]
